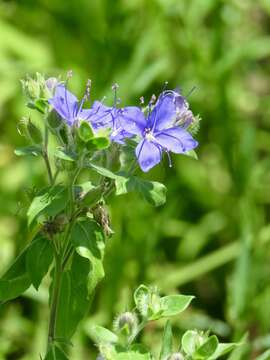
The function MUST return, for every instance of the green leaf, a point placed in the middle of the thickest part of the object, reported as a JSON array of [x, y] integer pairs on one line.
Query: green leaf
[[85, 131], [101, 335], [50, 201], [38, 260], [102, 171], [207, 348], [131, 355], [88, 239], [64, 155], [83, 189], [223, 349], [152, 191], [34, 150], [55, 353], [167, 342], [174, 304], [16, 280], [73, 300]]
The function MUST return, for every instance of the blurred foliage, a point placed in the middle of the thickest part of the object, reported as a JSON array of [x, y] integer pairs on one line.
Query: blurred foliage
[[212, 238]]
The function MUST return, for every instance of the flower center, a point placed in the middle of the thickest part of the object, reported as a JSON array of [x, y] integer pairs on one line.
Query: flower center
[[148, 134]]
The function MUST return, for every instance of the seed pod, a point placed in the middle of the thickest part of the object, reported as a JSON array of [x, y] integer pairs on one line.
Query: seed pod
[[102, 217]]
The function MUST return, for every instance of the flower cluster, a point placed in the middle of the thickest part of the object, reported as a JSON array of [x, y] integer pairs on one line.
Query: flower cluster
[[161, 127]]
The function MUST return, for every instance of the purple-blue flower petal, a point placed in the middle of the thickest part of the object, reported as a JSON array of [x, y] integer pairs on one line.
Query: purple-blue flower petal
[[64, 103], [148, 154], [132, 119], [176, 139], [166, 110]]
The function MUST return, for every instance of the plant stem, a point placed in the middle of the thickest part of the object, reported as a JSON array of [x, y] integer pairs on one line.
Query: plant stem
[[140, 328], [45, 155], [55, 300]]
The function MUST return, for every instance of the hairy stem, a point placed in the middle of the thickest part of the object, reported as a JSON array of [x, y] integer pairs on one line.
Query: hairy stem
[[46, 157], [55, 300]]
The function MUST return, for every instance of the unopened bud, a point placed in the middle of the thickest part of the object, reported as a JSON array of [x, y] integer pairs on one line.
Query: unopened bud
[[31, 88], [115, 86], [126, 321], [176, 356]]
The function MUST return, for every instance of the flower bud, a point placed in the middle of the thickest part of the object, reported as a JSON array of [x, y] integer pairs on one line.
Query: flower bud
[[126, 322], [100, 357], [31, 88], [148, 301], [106, 351], [176, 356]]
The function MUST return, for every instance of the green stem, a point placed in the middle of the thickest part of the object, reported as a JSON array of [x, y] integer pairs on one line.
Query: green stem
[[55, 300], [139, 329], [45, 155]]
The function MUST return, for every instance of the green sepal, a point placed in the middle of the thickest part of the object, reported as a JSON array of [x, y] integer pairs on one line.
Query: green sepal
[[40, 105], [206, 349], [98, 143], [85, 131]]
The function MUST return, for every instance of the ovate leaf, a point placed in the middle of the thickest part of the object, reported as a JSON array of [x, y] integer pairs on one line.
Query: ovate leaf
[[50, 201], [38, 260], [88, 239], [174, 304], [73, 300], [16, 280], [152, 191]]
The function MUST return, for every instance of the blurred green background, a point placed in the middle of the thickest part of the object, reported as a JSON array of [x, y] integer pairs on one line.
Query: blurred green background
[[212, 239]]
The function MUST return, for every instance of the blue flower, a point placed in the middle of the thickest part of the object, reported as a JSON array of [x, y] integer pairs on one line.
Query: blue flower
[[67, 105], [112, 118], [160, 131]]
